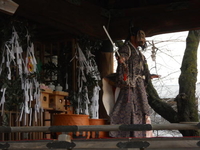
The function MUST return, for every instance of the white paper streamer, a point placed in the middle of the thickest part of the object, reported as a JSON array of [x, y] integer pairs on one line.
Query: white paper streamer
[[94, 107], [66, 84], [3, 60], [89, 67], [13, 55], [30, 117], [86, 101], [35, 114], [22, 111], [2, 100]]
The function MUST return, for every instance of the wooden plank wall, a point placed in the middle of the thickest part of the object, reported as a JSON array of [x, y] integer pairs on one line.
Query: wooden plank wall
[[11, 118]]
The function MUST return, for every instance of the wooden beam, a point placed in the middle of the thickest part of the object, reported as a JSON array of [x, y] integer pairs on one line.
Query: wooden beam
[[86, 18], [62, 15], [155, 143], [157, 19], [8, 6]]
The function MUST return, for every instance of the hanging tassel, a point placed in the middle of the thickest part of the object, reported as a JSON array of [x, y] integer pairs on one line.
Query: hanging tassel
[[125, 76]]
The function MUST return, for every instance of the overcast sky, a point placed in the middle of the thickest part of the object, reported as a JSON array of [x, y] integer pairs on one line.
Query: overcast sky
[[169, 56]]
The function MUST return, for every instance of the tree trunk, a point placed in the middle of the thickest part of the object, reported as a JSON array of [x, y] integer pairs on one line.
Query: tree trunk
[[160, 106], [186, 101]]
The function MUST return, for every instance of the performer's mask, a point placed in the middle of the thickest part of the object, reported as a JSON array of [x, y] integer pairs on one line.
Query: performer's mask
[[141, 39]]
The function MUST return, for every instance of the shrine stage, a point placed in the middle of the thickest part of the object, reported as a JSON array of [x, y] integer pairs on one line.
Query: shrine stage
[[64, 141]]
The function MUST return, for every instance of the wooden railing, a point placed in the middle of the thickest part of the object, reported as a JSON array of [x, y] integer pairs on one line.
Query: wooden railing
[[161, 143], [11, 119], [74, 128]]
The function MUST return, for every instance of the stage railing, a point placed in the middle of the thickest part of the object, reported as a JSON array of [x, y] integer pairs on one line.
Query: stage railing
[[131, 143], [74, 128]]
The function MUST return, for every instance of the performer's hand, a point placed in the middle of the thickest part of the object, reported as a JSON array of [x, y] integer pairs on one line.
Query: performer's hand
[[121, 59], [155, 76], [148, 119]]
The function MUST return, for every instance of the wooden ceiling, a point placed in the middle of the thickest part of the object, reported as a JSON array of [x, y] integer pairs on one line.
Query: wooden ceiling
[[65, 18]]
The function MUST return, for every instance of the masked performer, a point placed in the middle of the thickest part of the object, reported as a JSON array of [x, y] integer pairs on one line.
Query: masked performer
[[131, 105]]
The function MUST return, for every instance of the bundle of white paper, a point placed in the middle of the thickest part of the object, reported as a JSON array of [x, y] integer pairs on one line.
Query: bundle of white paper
[[13, 52], [89, 67]]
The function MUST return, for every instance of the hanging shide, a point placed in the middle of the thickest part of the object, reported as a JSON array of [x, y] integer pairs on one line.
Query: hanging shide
[[20, 85], [86, 97]]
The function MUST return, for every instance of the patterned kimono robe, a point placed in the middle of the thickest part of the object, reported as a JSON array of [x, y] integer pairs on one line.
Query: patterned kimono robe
[[131, 105]]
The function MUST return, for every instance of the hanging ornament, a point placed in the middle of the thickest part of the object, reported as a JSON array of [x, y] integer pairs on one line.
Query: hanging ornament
[[94, 107], [12, 57], [153, 51]]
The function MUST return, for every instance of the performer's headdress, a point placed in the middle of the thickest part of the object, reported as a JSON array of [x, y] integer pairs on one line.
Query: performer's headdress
[[139, 34]]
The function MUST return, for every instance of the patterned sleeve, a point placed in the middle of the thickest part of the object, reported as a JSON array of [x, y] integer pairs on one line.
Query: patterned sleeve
[[146, 72], [125, 52], [121, 70]]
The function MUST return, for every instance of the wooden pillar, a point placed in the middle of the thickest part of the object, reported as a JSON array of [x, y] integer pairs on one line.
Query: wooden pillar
[[74, 80], [105, 66], [105, 59]]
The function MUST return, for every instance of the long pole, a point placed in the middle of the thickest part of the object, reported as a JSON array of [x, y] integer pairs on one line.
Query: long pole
[[115, 48]]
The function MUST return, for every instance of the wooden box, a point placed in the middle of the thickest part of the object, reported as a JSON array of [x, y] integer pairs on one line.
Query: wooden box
[[69, 107], [57, 100], [44, 98]]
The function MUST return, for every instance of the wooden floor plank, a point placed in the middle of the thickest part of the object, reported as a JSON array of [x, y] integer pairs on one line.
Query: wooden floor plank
[[111, 144]]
